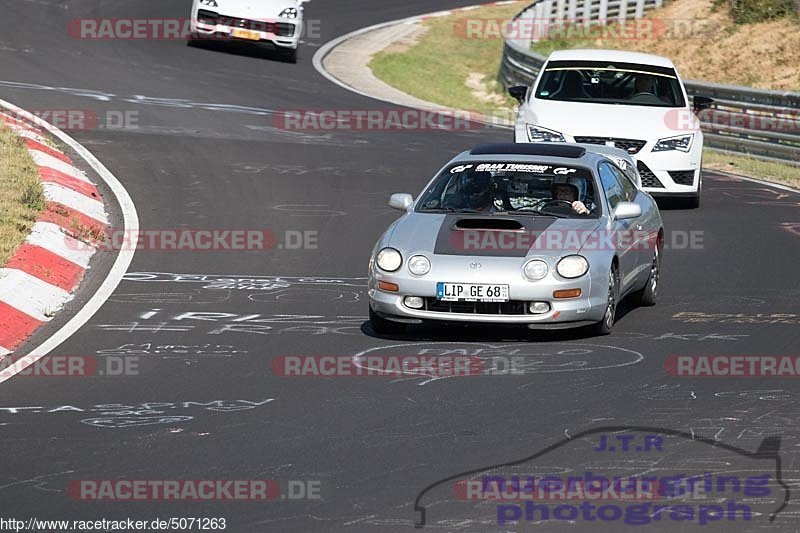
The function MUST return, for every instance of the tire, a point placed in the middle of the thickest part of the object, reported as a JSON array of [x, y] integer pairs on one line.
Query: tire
[[605, 326], [384, 327], [649, 294]]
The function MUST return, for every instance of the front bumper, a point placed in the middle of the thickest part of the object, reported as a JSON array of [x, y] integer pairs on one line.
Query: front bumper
[[671, 173], [280, 33], [564, 313]]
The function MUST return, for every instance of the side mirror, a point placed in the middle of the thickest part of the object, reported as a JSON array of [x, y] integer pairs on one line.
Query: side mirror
[[401, 201], [702, 102], [519, 92], [625, 210]]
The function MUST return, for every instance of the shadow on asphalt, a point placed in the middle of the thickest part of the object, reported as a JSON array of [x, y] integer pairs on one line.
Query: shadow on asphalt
[[460, 332], [258, 51]]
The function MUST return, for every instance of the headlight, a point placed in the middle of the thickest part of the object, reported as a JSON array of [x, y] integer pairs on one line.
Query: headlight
[[538, 134], [389, 259], [288, 13], [572, 266], [682, 143], [419, 265], [210, 3], [535, 270]]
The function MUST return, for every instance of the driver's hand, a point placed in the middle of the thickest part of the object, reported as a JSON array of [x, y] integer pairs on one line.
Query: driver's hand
[[580, 208]]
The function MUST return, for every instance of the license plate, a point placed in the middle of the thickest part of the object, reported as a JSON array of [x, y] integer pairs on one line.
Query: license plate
[[246, 34], [471, 292]]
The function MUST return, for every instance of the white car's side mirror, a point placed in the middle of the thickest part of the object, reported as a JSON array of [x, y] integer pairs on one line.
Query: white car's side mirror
[[401, 201], [625, 210]]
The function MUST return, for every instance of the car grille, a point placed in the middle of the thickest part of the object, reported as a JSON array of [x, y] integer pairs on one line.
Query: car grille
[[648, 178], [513, 307], [631, 146], [281, 29], [682, 177]]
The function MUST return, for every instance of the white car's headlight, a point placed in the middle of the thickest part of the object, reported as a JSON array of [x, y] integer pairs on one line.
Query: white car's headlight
[[419, 265], [535, 269], [682, 143], [538, 134], [209, 3], [389, 259], [572, 266], [289, 13]]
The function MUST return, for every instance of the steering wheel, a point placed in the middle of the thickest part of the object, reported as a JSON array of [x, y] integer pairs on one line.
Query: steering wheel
[[556, 202], [646, 98]]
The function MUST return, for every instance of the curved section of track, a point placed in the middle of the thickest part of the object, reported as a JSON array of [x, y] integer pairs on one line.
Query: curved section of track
[[205, 326]]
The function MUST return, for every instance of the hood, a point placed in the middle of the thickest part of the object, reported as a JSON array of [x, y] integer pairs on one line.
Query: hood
[[253, 9], [489, 235], [605, 120]]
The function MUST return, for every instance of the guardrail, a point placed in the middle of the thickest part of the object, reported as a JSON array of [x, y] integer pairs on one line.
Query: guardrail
[[755, 122]]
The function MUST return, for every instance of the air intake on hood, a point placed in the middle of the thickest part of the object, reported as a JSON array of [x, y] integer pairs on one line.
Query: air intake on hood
[[502, 224]]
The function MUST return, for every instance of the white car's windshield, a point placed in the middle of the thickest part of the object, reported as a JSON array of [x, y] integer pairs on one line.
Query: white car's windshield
[[607, 83], [519, 188]]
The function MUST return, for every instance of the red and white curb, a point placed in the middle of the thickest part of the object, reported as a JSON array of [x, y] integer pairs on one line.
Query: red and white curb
[[48, 267], [45, 270]]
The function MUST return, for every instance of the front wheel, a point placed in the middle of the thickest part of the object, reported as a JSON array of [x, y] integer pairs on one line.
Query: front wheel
[[605, 326], [383, 326]]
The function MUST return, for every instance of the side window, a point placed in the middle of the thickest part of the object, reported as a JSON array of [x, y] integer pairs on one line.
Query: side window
[[611, 185], [628, 188]]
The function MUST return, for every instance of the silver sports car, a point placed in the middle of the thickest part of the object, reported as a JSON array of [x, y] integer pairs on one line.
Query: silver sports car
[[543, 235]]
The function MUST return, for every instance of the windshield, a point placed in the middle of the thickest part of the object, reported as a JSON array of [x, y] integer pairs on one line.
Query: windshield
[[518, 188], [604, 83]]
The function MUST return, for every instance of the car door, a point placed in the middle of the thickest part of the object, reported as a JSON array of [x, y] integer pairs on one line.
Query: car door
[[623, 230], [641, 227]]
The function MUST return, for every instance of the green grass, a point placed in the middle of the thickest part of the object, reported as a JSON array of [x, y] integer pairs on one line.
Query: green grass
[[752, 167], [437, 67], [21, 193]]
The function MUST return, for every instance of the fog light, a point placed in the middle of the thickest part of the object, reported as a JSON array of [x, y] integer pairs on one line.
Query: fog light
[[414, 302], [386, 286], [568, 293], [538, 308]]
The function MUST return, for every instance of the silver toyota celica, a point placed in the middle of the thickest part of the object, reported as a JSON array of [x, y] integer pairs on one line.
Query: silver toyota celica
[[548, 236]]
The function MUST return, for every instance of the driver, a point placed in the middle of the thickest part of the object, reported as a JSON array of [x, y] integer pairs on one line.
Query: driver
[[477, 191], [567, 192]]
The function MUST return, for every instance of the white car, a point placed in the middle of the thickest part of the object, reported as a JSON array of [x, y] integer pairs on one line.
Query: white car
[[628, 100], [276, 23]]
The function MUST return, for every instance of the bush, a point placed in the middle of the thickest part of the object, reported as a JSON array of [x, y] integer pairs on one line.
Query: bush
[[750, 11]]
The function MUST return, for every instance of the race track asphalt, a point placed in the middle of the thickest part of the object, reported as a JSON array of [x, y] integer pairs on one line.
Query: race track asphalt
[[205, 155]]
